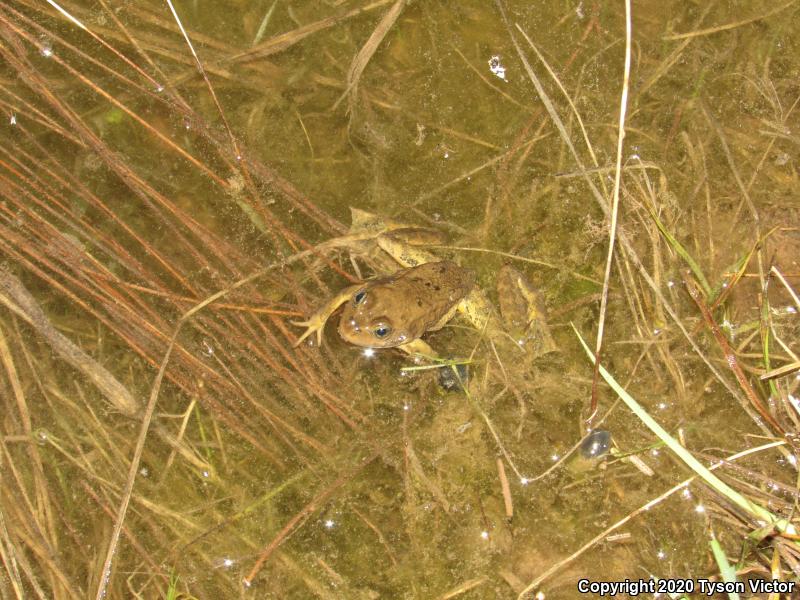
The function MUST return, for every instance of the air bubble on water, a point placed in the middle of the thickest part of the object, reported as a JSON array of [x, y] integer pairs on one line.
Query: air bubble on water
[[46, 48], [496, 67]]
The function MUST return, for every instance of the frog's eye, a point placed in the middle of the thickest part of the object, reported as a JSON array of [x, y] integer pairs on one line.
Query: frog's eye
[[359, 297], [382, 330]]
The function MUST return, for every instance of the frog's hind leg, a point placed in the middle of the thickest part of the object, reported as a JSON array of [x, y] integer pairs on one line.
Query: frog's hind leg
[[316, 322], [477, 309], [403, 245], [445, 318], [418, 348]]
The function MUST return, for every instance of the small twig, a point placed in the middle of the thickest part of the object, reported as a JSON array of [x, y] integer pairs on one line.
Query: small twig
[[17, 299], [506, 488], [730, 357], [527, 594], [105, 574], [612, 234], [302, 516]]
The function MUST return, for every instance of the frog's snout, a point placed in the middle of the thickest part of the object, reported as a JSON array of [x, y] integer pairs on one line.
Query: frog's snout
[[351, 331], [348, 326], [376, 333]]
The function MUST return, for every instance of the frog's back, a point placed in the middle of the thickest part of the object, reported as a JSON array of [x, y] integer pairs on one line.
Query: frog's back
[[439, 285]]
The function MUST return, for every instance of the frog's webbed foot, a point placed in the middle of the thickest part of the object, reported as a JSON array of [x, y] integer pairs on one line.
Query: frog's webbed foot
[[418, 348], [316, 322]]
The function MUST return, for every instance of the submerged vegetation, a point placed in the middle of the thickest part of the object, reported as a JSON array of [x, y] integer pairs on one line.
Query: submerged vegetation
[[176, 186]]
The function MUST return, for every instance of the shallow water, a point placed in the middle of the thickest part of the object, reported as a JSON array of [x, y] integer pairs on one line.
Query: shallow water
[[324, 472]]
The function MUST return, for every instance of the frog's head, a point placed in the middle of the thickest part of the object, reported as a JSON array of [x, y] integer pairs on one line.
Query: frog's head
[[376, 317]]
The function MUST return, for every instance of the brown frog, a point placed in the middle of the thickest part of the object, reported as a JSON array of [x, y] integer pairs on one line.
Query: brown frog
[[395, 311], [523, 311]]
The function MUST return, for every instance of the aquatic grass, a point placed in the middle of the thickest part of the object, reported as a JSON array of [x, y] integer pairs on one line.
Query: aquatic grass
[[122, 229], [528, 591], [682, 252], [172, 590], [755, 401], [362, 58], [756, 511], [490, 426], [726, 569], [736, 271], [630, 253], [769, 332], [262, 28], [132, 305], [728, 26], [614, 216]]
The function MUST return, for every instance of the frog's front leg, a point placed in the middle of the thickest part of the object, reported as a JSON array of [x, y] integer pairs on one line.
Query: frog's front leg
[[316, 322]]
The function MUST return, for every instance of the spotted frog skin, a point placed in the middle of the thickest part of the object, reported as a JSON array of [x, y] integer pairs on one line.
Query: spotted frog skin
[[395, 310]]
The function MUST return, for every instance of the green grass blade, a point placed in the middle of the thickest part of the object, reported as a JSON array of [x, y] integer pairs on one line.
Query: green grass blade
[[681, 251], [702, 471], [264, 22], [727, 570]]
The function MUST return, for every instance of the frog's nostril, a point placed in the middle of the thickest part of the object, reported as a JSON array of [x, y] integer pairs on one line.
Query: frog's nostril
[[359, 297]]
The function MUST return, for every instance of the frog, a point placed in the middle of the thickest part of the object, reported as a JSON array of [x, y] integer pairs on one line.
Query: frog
[[395, 311], [523, 311], [390, 311]]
